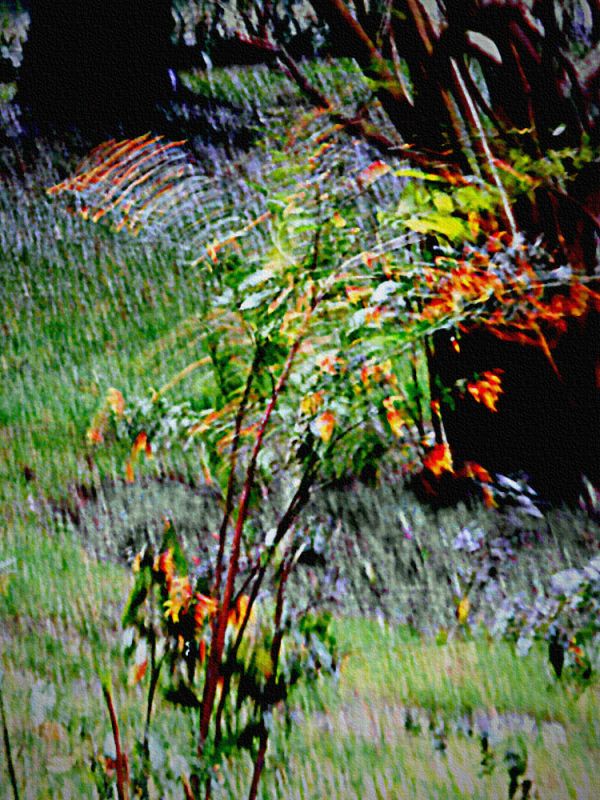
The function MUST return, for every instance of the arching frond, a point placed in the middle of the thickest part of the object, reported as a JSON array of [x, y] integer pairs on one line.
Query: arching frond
[[156, 189]]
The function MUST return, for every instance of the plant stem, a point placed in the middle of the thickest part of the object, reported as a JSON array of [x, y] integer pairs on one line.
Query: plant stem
[[9, 762], [218, 638], [433, 392], [418, 396], [154, 675], [258, 572], [187, 789], [239, 418], [259, 764], [482, 146], [296, 503], [120, 759]]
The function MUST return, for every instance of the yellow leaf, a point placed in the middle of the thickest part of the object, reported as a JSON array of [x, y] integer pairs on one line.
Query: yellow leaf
[[462, 610], [438, 460], [395, 421], [394, 416], [443, 202], [310, 404], [264, 662]]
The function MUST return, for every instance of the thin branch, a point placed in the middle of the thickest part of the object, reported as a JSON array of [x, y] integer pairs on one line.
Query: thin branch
[[413, 367], [218, 639], [275, 652], [6, 736], [154, 676], [239, 419], [187, 789], [259, 568], [474, 118], [391, 94], [316, 97], [120, 758], [434, 392], [259, 763]]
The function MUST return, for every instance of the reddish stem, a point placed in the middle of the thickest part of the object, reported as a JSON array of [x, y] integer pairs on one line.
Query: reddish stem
[[218, 639], [239, 418], [120, 757], [259, 764]]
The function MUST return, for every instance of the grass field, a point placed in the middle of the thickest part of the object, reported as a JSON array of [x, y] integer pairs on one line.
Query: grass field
[[85, 309]]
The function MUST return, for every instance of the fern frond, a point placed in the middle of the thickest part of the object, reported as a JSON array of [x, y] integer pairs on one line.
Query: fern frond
[[152, 187], [156, 189]]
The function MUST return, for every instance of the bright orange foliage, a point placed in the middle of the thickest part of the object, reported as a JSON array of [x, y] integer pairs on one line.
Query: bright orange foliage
[[394, 417], [438, 460], [357, 293], [487, 389], [180, 594], [325, 425]]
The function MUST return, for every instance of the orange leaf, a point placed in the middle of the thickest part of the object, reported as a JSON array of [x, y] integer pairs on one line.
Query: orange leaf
[[330, 363], [165, 563], [487, 389], [202, 651], [474, 470], [141, 444], [94, 436], [373, 316], [115, 401], [325, 425], [395, 421], [488, 497], [206, 607], [139, 671], [438, 460], [394, 417], [373, 172]]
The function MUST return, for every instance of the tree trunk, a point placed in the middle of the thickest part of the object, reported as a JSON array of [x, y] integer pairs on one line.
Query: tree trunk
[[96, 65]]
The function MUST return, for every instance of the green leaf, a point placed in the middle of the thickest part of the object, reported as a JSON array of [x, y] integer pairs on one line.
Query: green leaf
[[137, 597], [256, 300], [419, 174], [444, 224], [258, 277], [443, 202], [170, 541]]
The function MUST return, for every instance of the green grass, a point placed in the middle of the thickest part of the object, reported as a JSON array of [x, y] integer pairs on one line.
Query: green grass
[[85, 310]]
